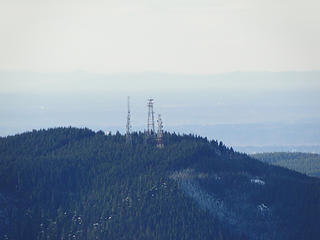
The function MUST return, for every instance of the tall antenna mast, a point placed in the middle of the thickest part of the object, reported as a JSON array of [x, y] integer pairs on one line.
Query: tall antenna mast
[[160, 132], [150, 130], [128, 126]]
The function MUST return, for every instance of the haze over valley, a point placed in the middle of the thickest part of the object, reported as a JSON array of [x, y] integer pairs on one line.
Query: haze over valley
[[259, 109]]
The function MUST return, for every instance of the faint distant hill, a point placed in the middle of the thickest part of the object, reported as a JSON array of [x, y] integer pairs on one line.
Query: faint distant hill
[[252, 149], [263, 136], [307, 163]]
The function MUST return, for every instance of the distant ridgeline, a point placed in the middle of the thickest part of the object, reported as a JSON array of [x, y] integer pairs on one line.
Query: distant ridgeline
[[69, 183], [308, 163]]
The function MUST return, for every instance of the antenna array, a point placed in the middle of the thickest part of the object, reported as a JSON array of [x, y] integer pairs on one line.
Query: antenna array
[[150, 129], [160, 132], [128, 126], [151, 137]]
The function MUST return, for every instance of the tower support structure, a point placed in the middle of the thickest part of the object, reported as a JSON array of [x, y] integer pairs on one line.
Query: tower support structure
[[160, 132], [150, 125], [128, 125]]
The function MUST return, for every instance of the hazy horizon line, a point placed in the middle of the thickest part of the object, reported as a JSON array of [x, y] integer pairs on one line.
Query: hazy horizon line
[[156, 72]]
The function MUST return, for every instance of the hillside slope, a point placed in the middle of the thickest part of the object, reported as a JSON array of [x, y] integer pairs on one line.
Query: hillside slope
[[68, 183], [308, 163]]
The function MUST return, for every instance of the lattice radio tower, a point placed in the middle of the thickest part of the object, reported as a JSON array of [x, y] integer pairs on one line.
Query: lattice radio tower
[[128, 126], [150, 129], [160, 132]]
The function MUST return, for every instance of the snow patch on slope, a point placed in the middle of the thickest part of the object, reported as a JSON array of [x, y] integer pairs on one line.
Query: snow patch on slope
[[257, 181], [187, 182], [232, 206]]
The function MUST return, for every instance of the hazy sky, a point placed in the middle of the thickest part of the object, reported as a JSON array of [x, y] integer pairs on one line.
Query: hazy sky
[[74, 62], [174, 36], [40, 100]]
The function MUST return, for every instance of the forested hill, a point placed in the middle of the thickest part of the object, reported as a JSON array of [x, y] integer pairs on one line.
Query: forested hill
[[69, 183], [308, 163]]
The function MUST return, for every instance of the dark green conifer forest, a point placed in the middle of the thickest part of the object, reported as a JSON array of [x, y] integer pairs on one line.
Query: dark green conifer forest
[[308, 163], [70, 183]]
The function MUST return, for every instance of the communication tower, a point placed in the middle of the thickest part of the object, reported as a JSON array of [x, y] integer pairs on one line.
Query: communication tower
[[160, 132], [150, 129], [128, 126]]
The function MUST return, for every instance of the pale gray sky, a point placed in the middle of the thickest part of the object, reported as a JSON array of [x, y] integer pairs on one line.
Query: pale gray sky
[[173, 36], [73, 62]]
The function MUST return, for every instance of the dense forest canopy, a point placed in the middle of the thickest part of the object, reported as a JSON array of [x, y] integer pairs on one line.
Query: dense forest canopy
[[70, 183], [308, 163]]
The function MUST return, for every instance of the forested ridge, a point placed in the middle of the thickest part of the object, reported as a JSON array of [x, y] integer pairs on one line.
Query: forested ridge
[[308, 163], [70, 183]]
